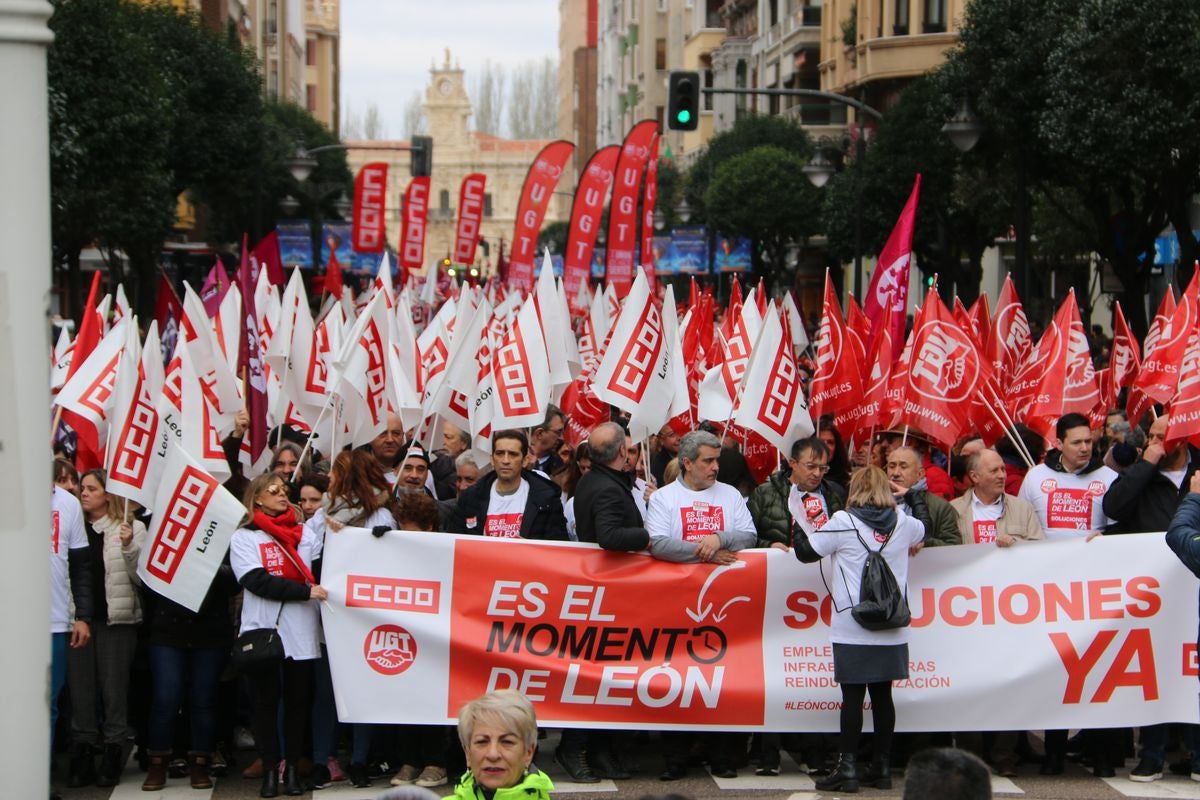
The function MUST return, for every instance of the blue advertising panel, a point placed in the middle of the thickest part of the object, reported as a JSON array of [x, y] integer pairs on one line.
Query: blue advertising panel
[[337, 234], [733, 254], [555, 260], [598, 262], [688, 252], [295, 244]]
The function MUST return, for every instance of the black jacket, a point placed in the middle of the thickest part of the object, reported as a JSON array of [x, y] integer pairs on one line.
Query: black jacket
[[605, 511], [543, 517], [445, 476], [1143, 499]]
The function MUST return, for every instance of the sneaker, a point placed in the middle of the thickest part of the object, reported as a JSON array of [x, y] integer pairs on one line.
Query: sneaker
[[335, 769], [218, 767], [767, 771], [406, 775], [1146, 771], [319, 778], [243, 739], [431, 776], [379, 769]]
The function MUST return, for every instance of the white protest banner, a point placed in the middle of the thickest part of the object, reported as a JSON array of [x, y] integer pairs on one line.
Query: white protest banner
[[1069, 634], [194, 518]]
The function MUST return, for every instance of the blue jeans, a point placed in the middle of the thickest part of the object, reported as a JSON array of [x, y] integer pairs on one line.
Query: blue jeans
[[58, 675], [1153, 740], [174, 668], [324, 711]]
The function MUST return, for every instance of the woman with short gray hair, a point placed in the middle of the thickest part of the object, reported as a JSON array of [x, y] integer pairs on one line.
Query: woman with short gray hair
[[498, 732]]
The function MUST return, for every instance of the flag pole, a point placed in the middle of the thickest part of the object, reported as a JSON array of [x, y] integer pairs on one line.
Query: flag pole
[[737, 395], [311, 434], [1012, 437]]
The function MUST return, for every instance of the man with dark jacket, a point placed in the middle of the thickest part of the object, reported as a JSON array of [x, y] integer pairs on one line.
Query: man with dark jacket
[[1146, 498], [798, 494], [906, 473], [511, 502], [605, 514]]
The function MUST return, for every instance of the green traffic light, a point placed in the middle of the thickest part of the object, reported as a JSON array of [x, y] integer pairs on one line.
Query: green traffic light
[[684, 117]]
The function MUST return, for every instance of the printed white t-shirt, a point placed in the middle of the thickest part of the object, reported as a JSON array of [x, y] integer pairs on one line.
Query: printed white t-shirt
[[505, 512], [808, 509], [66, 533], [300, 621], [1068, 505], [983, 519], [680, 513]]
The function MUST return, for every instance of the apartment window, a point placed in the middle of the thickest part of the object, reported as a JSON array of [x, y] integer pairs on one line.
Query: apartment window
[[487, 204], [659, 116], [901, 26], [708, 84], [935, 16], [310, 56], [444, 202], [773, 12], [311, 97], [660, 54]]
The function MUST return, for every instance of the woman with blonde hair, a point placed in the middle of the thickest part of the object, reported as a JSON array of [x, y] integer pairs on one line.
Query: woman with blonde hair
[[101, 668], [864, 660], [272, 555], [498, 732]]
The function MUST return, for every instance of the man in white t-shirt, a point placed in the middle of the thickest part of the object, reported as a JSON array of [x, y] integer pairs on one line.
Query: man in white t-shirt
[[696, 518], [1067, 490], [510, 502], [70, 580]]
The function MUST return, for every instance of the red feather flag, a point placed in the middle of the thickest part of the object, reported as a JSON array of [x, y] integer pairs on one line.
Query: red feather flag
[[836, 382], [942, 377]]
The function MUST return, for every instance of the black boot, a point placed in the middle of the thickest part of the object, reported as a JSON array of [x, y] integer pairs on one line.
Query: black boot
[[110, 765], [291, 780], [879, 773], [576, 765], [844, 777], [270, 781], [81, 770]]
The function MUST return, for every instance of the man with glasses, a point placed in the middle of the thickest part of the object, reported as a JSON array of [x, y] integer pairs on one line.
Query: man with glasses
[[797, 495], [545, 439]]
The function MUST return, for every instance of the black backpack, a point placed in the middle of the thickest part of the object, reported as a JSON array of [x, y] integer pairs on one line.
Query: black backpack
[[881, 604]]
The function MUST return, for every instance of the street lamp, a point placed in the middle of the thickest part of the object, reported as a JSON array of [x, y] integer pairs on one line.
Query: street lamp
[[289, 206], [660, 221], [963, 129], [819, 170], [342, 205], [683, 211], [301, 164]]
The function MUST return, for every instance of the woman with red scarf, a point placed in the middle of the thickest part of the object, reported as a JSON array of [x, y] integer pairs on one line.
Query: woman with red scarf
[[272, 557]]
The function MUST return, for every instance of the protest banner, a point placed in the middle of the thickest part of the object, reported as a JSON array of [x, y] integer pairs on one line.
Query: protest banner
[[1035, 636]]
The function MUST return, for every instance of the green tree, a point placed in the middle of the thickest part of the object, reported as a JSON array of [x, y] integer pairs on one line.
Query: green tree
[[147, 104], [749, 132], [960, 212], [763, 194], [1095, 99]]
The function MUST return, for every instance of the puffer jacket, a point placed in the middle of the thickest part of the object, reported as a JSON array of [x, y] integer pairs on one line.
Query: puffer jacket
[[769, 507], [536, 785], [121, 581]]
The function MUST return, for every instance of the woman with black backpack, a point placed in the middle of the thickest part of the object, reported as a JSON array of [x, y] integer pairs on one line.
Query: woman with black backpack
[[870, 543]]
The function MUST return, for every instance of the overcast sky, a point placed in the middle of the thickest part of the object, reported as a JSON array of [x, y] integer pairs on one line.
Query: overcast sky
[[388, 45]]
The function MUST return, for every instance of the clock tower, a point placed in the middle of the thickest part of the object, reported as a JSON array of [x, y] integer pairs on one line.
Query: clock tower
[[447, 107]]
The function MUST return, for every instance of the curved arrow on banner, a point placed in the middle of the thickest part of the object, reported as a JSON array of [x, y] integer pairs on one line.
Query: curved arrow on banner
[[701, 611]]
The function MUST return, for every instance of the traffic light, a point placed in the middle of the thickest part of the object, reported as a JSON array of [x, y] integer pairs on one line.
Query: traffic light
[[683, 101], [421, 164]]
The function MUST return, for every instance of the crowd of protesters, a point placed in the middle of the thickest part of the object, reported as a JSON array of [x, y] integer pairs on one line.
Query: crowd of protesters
[[144, 672]]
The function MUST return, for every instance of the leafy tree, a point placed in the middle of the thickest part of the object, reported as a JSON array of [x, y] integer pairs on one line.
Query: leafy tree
[[749, 132], [147, 104], [1094, 98], [960, 212], [763, 194]]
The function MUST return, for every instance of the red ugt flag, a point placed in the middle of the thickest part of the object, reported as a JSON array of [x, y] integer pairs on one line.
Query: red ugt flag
[[889, 284]]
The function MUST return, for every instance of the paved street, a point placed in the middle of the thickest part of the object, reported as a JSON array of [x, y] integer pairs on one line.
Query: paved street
[[791, 784]]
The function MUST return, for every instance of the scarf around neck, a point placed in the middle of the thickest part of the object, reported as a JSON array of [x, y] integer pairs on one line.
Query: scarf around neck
[[286, 532]]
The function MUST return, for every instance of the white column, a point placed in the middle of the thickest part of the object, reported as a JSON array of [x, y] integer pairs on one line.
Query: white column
[[25, 398]]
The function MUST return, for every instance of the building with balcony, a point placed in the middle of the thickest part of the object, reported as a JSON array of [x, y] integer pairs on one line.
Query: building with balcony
[[872, 49], [578, 31], [322, 61], [457, 152], [639, 42], [277, 34]]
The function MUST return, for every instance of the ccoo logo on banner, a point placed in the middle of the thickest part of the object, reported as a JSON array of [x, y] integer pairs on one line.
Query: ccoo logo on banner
[[418, 624]]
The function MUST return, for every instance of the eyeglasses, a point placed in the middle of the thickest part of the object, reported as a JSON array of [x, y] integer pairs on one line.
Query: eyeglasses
[[822, 468], [274, 489]]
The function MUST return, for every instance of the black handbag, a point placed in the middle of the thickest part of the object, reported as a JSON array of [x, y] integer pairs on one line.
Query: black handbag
[[258, 649]]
